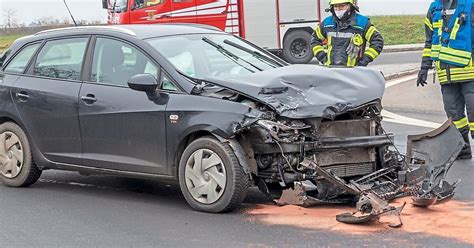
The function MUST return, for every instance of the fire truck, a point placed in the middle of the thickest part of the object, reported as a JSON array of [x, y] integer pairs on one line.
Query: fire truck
[[281, 26]]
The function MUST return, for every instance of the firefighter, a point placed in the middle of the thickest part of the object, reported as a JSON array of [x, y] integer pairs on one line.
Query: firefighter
[[448, 28], [342, 38]]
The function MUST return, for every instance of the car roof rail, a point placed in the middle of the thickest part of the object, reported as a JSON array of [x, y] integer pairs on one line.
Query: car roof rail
[[104, 28]]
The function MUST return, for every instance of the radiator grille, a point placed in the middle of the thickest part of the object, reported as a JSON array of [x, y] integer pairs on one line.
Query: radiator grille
[[349, 170]]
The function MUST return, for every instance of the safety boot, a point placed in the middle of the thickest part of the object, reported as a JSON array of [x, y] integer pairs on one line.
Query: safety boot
[[466, 152]]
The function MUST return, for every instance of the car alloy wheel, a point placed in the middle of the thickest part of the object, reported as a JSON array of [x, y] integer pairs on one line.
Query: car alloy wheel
[[205, 176]]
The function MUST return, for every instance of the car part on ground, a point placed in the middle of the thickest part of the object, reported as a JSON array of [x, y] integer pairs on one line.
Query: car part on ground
[[422, 175]]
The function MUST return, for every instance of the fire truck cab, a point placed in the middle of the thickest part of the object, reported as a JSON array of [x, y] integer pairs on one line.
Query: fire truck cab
[[281, 26]]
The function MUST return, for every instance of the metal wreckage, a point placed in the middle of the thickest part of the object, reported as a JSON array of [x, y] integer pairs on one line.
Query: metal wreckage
[[313, 135]]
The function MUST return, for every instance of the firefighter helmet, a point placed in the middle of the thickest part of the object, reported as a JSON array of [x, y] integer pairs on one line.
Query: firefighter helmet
[[334, 2]]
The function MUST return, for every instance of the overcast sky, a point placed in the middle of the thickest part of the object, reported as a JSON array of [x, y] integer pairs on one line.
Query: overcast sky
[[29, 10]]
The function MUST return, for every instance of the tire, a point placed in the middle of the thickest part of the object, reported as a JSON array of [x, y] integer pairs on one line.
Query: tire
[[21, 170], [202, 188], [297, 47]]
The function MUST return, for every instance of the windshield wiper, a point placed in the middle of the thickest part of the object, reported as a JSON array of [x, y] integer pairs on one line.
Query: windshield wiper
[[230, 55], [256, 54]]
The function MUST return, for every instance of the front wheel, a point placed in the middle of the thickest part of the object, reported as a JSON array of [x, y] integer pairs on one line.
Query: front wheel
[[210, 176], [17, 168]]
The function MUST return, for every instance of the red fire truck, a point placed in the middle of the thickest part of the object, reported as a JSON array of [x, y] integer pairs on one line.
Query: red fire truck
[[281, 26]]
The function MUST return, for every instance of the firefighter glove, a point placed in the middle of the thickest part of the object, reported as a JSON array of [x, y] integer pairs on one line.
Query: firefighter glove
[[422, 77], [354, 46], [322, 57]]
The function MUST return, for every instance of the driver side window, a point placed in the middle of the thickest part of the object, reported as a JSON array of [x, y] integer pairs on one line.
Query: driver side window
[[115, 62], [138, 4]]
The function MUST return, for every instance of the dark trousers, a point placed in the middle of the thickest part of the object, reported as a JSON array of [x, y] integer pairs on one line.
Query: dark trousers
[[458, 101]]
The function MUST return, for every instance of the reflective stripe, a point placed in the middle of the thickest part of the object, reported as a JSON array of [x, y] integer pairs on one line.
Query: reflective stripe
[[462, 77], [351, 61], [455, 30], [340, 34], [459, 57], [427, 52], [428, 23], [461, 123], [317, 49], [372, 53], [332, 2], [328, 62], [438, 24], [319, 33], [369, 33], [435, 51]]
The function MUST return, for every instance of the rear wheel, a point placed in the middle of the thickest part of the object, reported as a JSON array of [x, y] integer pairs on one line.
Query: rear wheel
[[17, 168], [211, 177], [297, 47]]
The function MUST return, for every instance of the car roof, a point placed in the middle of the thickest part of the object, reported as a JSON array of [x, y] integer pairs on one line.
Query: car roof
[[140, 31]]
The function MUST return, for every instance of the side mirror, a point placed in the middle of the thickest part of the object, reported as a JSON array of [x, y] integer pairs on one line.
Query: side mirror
[[105, 4], [143, 82]]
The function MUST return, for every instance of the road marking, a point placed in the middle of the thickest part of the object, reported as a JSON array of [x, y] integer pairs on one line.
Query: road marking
[[399, 119], [403, 80]]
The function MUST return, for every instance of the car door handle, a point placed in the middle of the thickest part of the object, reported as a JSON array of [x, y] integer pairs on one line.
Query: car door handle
[[89, 99], [22, 96]]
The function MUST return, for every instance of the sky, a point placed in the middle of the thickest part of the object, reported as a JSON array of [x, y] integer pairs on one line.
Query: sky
[[29, 10]]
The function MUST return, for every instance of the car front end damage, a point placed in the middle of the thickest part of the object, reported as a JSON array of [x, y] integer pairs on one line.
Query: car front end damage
[[351, 159], [319, 140]]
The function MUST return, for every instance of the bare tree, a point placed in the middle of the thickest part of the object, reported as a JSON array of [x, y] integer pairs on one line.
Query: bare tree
[[10, 18]]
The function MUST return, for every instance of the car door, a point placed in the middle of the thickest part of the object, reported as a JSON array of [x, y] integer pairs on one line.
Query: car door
[[121, 129], [47, 98], [183, 11], [150, 11]]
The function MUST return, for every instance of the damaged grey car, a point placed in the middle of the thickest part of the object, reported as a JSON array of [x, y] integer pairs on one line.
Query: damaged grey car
[[216, 113]]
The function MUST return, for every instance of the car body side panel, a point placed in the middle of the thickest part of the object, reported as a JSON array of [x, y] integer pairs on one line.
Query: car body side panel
[[50, 116], [186, 114], [123, 130]]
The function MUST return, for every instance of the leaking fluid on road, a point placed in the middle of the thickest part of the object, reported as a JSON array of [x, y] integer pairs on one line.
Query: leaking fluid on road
[[453, 219]]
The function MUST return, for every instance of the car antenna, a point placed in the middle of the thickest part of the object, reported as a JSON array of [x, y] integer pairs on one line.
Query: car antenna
[[72, 17]]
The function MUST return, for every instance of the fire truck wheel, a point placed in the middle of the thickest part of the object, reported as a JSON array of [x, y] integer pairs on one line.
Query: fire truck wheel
[[297, 47]]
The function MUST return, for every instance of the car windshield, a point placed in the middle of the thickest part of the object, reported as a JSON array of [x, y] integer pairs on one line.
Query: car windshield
[[213, 55]]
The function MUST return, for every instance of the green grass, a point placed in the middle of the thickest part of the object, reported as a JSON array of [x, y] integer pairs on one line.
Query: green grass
[[397, 30], [7, 40]]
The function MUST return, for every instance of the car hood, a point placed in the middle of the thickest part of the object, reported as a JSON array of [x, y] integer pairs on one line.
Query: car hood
[[308, 91]]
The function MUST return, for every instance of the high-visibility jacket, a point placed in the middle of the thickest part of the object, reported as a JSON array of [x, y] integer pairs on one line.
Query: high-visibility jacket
[[449, 40], [332, 37]]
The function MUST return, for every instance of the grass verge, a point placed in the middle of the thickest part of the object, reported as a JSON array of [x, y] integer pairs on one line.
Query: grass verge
[[398, 30], [7, 40]]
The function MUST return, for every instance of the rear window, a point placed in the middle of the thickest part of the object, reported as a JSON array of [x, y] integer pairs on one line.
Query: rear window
[[61, 59], [20, 61]]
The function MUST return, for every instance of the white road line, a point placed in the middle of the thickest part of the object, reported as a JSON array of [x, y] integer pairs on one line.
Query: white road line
[[402, 80], [399, 119], [394, 118]]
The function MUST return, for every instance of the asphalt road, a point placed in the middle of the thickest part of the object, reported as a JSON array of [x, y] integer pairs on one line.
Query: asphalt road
[[65, 209], [410, 57]]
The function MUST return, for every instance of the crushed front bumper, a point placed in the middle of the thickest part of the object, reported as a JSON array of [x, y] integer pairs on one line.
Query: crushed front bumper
[[421, 175]]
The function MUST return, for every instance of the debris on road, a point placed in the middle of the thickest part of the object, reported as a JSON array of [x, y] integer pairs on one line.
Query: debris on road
[[421, 174]]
